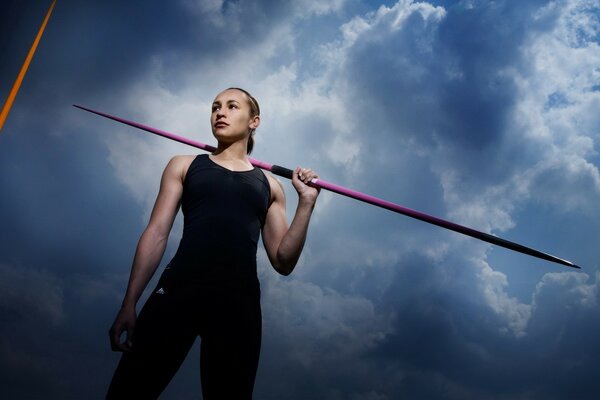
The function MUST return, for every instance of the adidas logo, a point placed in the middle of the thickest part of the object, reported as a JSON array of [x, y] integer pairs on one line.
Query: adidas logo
[[160, 291]]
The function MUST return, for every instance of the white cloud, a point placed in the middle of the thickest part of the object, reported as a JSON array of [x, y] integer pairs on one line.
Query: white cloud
[[309, 8], [564, 310], [562, 172], [515, 314], [554, 111], [569, 290], [389, 19], [319, 324], [317, 118], [388, 106]]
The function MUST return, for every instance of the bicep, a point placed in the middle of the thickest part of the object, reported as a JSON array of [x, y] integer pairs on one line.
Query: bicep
[[276, 222], [168, 200]]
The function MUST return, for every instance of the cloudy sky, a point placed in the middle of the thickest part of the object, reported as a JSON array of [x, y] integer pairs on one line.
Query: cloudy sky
[[481, 112]]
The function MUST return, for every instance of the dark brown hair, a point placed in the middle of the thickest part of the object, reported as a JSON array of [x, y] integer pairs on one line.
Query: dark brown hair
[[254, 111]]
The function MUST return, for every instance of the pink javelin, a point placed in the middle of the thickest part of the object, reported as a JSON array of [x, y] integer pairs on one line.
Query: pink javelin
[[287, 173]]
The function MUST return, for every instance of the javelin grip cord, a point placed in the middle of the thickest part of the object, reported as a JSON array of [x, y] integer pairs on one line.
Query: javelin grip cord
[[282, 171]]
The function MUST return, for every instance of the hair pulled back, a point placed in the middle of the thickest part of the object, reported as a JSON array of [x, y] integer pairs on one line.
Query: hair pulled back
[[254, 112]]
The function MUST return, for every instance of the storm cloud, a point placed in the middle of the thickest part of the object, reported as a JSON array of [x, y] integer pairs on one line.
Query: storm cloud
[[484, 113]]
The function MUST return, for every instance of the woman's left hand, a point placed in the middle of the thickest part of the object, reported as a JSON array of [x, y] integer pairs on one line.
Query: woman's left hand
[[301, 179]]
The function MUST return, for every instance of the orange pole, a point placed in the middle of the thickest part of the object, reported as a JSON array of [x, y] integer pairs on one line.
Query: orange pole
[[15, 89]]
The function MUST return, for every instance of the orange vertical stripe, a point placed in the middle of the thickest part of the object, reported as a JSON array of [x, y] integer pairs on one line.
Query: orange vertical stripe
[[13, 92]]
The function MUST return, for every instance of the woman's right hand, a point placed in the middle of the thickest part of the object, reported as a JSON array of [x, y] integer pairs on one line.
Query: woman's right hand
[[125, 322]]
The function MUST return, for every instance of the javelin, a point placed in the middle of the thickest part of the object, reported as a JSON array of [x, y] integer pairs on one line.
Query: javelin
[[15, 89], [319, 183]]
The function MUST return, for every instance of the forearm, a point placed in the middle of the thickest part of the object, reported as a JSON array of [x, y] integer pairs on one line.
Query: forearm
[[149, 252], [292, 243]]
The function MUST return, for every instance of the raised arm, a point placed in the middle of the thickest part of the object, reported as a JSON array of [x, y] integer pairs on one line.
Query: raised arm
[[150, 248], [284, 243]]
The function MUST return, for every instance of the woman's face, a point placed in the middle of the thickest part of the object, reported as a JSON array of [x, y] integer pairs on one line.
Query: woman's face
[[230, 118]]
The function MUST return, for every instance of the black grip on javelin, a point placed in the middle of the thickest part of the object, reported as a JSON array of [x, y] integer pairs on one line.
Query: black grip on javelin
[[282, 171]]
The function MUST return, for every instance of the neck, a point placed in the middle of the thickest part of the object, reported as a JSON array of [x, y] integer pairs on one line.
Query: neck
[[231, 151]]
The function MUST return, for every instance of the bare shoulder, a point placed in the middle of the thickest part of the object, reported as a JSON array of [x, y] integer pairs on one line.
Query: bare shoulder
[[179, 165], [182, 160]]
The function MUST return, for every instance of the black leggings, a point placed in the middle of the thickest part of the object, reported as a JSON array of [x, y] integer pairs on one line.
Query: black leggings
[[228, 320]]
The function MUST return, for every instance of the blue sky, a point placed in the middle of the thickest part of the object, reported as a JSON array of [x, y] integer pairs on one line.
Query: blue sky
[[481, 112]]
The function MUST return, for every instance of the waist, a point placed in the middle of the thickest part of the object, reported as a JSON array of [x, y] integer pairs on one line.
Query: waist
[[208, 270], [175, 282]]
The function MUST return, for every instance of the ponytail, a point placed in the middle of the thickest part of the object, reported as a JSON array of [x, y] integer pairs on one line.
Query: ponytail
[[250, 143]]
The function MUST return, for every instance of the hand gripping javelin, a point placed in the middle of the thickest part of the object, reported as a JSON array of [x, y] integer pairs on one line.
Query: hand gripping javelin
[[287, 173]]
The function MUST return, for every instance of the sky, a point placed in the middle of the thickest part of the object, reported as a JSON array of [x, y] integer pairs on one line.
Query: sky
[[481, 112]]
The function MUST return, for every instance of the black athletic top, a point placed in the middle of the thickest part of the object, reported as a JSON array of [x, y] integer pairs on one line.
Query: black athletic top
[[224, 212]]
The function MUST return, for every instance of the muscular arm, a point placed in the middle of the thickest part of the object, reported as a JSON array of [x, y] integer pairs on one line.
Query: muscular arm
[[284, 243], [150, 248]]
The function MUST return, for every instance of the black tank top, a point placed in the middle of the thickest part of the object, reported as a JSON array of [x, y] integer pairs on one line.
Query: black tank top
[[224, 212]]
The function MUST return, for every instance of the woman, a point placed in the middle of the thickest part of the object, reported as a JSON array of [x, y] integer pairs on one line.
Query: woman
[[210, 288]]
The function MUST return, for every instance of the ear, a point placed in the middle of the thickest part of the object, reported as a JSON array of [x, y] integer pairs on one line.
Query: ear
[[254, 122]]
